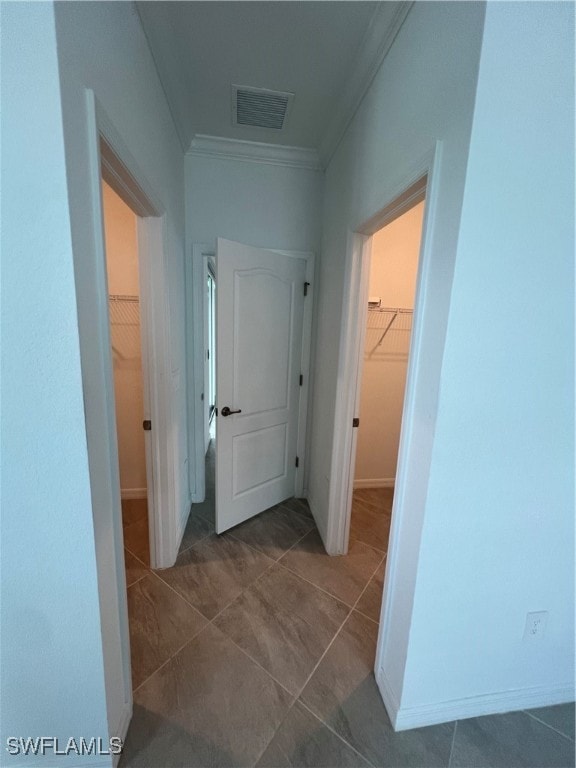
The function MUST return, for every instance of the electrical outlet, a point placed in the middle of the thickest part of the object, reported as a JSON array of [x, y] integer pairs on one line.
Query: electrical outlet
[[535, 625]]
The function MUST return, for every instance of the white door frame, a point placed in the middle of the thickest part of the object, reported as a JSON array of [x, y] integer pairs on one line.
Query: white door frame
[[423, 181], [196, 264], [118, 168], [108, 157], [305, 362], [208, 270]]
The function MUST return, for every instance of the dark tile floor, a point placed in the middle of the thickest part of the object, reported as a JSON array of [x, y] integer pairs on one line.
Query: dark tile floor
[[257, 649]]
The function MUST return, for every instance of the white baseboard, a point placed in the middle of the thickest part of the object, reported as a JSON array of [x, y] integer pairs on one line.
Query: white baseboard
[[405, 718], [134, 493], [122, 727], [375, 482], [388, 696]]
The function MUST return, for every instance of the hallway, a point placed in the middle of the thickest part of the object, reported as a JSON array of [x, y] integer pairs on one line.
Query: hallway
[[257, 648]]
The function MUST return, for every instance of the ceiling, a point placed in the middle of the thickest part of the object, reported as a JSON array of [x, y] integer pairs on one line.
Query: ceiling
[[326, 53]]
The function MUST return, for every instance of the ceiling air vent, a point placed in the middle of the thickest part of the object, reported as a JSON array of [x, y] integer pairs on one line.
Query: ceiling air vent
[[260, 107]]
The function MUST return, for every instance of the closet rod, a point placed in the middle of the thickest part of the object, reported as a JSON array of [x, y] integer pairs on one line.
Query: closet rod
[[119, 297], [397, 310]]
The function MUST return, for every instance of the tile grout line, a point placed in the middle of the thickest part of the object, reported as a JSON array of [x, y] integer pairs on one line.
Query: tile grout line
[[551, 727], [330, 644], [208, 619], [325, 652], [135, 556], [229, 533], [209, 622], [178, 594], [291, 570], [357, 610], [137, 581], [294, 697], [239, 595], [349, 611], [325, 591], [151, 675], [354, 607], [295, 573], [335, 733], [269, 674], [368, 584], [205, 518], [380, 551], [261, 575], [301, 690], [181, 551], [452, 744], [273, 562], [281, 723], [254, 549]]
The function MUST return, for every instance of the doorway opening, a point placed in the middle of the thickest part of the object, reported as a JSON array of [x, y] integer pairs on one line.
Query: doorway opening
[[249, 358], [210, 340], [132, 419], [392, 266]]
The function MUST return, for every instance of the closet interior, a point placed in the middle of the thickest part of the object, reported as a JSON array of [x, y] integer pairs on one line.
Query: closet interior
[[120, 227], [393, 269]]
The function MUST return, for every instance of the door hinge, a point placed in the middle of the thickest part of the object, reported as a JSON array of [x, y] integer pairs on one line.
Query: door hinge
[[306, 289], [301, 379], [297, 462], [355, 422], [147, 425]]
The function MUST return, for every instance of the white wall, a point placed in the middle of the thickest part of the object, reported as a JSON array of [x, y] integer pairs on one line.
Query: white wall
[[486, 528], [52, 662], [423, 93], [121, 236], [101, 46], [262, 204], [498, 539], [123, 280], [393, 268]]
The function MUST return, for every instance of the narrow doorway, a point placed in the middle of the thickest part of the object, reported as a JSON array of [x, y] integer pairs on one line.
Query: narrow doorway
[[393, 271], [208, 506], [210, 372], [122, 267]]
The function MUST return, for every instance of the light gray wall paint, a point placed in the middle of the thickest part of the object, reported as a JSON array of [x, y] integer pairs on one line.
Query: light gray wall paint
[[101, 46], [260, 204], [423, 93], [498, 538], [487, 534], [52, 663]]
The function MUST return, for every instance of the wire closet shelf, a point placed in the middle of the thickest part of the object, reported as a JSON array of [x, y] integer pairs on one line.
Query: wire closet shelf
[[124, 314], [388, 332]]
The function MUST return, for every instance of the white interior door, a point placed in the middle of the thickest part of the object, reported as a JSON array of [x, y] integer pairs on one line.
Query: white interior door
[[260, 308]]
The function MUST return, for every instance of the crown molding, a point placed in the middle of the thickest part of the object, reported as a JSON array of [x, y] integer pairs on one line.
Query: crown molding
[[254, 152], [380, 35]]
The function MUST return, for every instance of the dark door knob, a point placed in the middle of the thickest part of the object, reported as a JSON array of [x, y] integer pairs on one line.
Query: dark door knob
[[226, 411]]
